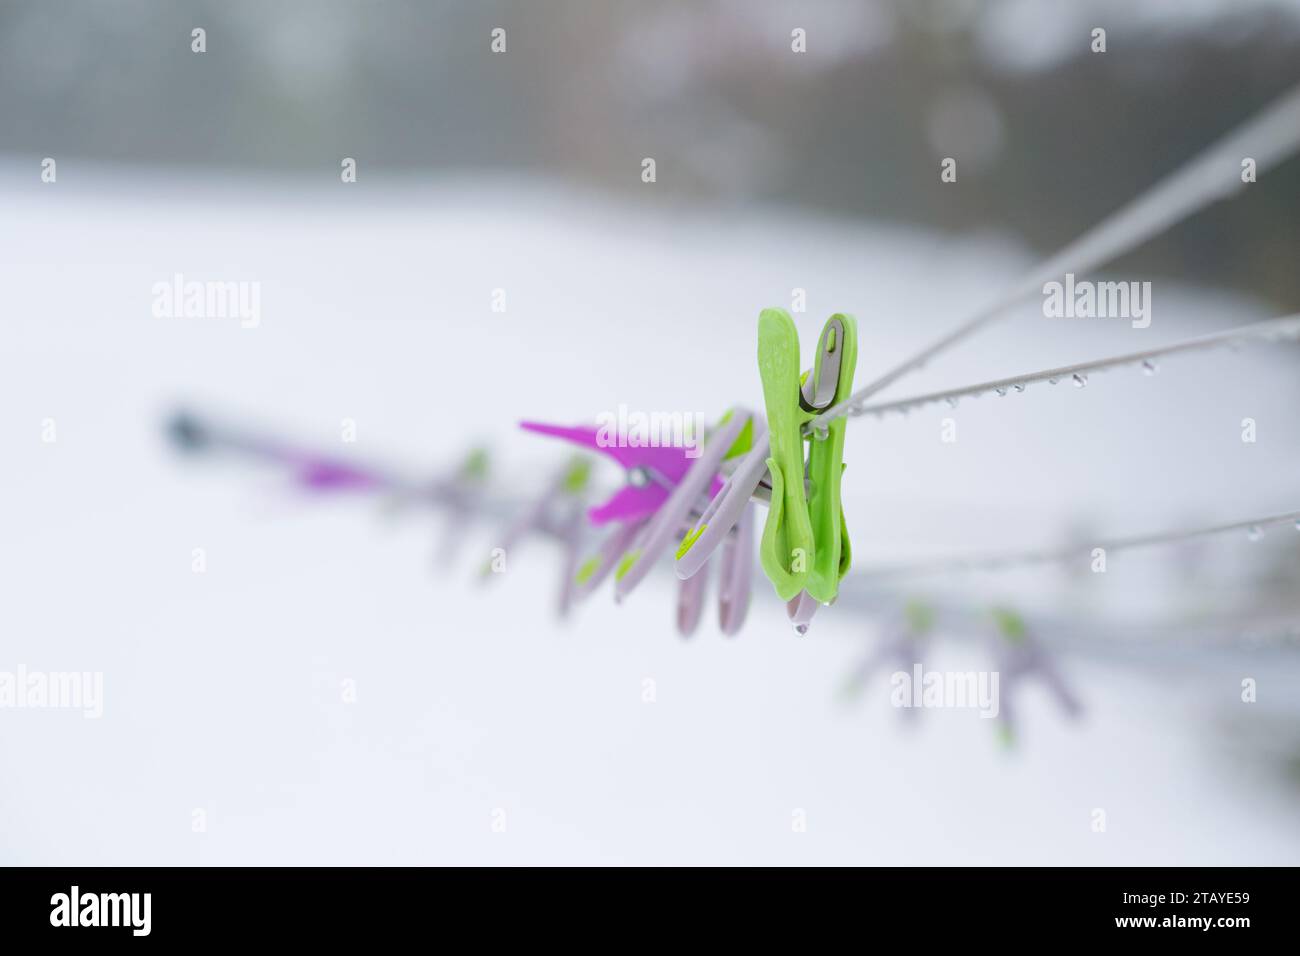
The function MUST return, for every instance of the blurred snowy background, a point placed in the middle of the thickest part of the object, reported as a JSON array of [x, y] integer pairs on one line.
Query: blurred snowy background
[[522, 172]]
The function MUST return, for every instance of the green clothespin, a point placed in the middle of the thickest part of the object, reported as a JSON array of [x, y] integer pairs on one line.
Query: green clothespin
[[805, 547]]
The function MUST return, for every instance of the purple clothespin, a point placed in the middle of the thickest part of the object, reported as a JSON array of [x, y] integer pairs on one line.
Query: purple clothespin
[[1020, 656], [906, 638], [557, 512], [311, 471], [727, 525], [458, 494], [652, 472], [665, 488]]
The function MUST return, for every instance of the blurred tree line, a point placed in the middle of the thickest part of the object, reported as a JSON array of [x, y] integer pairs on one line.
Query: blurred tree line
[[1049, 135]]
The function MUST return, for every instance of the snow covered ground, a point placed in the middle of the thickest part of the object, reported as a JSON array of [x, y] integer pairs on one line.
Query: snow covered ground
[[474, 710]]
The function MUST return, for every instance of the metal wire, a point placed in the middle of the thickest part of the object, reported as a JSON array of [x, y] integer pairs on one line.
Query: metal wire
[[1001, 561], [1285, 327], [1268, 138]]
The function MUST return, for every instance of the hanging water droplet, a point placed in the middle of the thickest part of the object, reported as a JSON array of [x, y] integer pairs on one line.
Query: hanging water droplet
[[1019, 386], [952, 401], [1149, 367], [1297, 524], [1080, 380], [1052, 381], [1255, 532], [1002, 392]]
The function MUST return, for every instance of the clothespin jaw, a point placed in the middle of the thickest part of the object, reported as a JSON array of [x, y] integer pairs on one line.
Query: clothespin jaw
[[805, 546]]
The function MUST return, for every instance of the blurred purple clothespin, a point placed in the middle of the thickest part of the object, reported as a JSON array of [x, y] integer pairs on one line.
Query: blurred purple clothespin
[[458, 494], [1020, 656], [557, 512], [310, 471], [905, 638]]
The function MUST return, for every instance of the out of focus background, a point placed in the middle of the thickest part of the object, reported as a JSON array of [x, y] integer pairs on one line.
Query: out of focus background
[[326, 691]]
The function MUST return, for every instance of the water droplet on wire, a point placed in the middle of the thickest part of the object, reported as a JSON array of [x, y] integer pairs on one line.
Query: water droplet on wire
[[1149, 367], [1254, 532], [1080, 380]]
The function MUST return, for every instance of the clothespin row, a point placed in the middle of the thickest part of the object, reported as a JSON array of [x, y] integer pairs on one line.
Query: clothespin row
[[705, 501], [804, 548], [460, 494], [1020, 657], [663, 487], [310, 471], [1017, 655]]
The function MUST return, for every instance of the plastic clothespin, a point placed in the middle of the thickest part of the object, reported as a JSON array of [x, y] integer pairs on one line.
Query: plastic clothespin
[[1019, 657], [458, 493], [650, 509], [906, 637], [313, 472], [652, 471], [736, 568], [595, 568], [736, 575], [805, 549], [565, 494], [731, 438]]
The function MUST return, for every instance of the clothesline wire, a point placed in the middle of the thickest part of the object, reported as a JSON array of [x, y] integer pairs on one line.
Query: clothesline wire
[[1270, 137], [1282, 327], [999, 561]]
